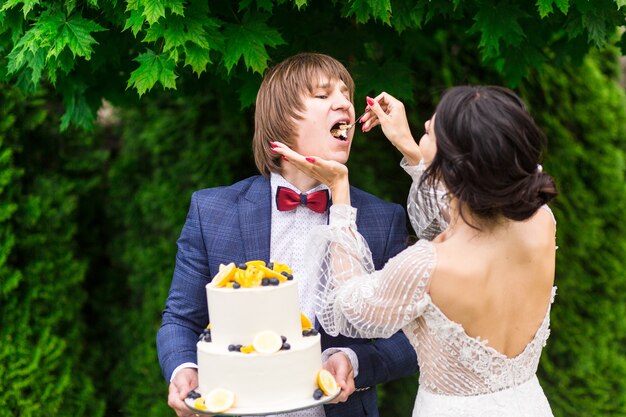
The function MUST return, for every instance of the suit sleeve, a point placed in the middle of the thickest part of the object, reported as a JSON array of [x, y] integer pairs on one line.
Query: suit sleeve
[[185, 313]]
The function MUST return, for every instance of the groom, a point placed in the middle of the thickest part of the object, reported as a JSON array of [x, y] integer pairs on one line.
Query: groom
[[299, 102]]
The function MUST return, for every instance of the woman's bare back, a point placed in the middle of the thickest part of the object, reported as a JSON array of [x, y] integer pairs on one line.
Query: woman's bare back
[[497, 284]]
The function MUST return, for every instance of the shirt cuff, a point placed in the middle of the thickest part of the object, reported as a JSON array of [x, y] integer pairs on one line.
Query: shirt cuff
[[351, 355], [342, 215], [183, 366]]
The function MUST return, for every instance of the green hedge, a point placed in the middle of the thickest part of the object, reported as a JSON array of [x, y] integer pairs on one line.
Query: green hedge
[[42, 337], [583, 110]]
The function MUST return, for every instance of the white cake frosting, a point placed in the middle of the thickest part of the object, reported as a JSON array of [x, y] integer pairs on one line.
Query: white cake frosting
[[258, 380]]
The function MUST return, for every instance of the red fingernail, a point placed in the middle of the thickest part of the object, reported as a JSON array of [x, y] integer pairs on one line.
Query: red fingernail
[[370, 101], [311, 160], [272, 144], [273, 150], [285, 158]]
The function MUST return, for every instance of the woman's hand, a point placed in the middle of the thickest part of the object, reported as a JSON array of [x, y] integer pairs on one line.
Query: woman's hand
[[388, 112], [331, 173]]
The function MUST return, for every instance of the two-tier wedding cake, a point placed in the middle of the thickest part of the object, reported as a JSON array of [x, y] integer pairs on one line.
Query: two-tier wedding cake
[[259, 354]]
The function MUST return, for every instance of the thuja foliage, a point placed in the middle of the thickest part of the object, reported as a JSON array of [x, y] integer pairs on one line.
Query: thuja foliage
[[92, 49], [585, 360], [41, 297]]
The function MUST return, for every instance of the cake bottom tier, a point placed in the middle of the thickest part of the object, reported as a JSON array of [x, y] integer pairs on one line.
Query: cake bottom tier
[[261, 380]]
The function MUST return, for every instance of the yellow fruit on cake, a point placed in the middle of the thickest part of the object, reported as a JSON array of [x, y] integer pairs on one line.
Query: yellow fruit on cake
[[267, 342], [219, 400], [306, 323], [326, 382], [278, 267], [270, 273], [247, 349], [225, 275], [199, 403]]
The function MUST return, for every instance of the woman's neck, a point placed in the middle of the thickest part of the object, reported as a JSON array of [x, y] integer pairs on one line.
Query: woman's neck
[[468, 224]]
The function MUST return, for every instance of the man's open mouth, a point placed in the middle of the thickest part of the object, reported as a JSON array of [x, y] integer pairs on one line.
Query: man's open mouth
[[340, 130]]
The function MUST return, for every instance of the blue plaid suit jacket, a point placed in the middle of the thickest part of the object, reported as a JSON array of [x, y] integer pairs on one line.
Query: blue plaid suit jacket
[[232, 224]]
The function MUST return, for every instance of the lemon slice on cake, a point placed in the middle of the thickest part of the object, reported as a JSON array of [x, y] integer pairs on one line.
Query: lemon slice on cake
[[306, 323], [326, 382], [219, 400], [224, 276], [267, 342]]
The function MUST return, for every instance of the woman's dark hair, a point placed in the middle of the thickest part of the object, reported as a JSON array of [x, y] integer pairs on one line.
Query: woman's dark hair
[[488, 154]]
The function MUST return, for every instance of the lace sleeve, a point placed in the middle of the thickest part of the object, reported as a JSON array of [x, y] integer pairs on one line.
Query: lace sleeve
[[427, 208], [352, 298]]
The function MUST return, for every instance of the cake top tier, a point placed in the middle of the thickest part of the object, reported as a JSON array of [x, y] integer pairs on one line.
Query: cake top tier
[[251, 274]]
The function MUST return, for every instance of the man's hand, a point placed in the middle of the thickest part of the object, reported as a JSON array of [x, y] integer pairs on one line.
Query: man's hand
[[185, 380], [340, 366]]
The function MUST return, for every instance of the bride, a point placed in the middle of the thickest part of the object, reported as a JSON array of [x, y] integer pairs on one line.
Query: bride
[[473, 295]]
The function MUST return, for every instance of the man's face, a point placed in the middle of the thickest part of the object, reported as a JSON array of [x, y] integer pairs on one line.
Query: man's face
[[324, 108]]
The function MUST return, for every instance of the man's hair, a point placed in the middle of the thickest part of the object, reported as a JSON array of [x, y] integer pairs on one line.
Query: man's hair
[[279, 102]]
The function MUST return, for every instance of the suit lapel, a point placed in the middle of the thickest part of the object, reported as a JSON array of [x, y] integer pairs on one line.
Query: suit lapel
[[255, 217]]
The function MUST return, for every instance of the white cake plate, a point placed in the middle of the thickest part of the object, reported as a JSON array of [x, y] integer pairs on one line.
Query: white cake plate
[[281, 407]]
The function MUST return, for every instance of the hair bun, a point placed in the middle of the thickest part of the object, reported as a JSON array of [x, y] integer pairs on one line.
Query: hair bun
[[536, 190]]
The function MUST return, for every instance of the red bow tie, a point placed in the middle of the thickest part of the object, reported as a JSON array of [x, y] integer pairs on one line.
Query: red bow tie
[[287, 199]]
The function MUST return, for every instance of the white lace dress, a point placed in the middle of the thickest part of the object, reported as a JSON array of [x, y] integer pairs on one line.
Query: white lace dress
[[460, 375]]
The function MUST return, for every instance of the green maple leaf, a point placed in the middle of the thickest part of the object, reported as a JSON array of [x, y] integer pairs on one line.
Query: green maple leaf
[[598, 24], [153, 10], [300, 3], [26, 8], [203, 31], [248, 40], [176, 6], [37, 64], [563, 5], [12, 23], [152, 69], [135, 22], [498, 23], [75, 34], [174, 35], [381, 9], [154, 32], [196, 57], [545, 6], [361, 11], [407, 15], [133, 5], [364, 9]]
